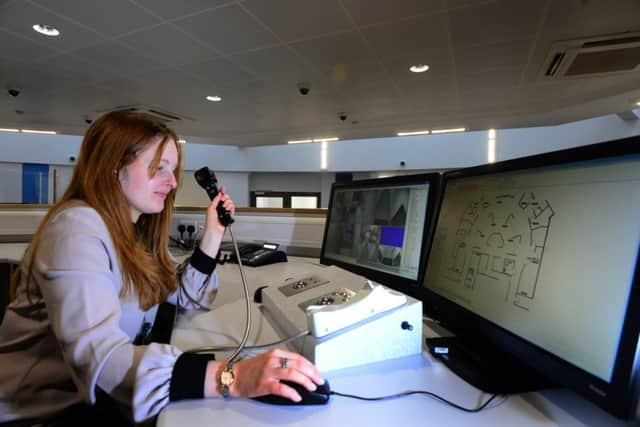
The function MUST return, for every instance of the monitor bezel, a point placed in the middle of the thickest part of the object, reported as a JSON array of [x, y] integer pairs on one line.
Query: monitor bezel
[[619, 396], [399, 283]]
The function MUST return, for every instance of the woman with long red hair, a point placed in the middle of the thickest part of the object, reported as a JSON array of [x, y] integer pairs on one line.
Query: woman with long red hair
[[73, 340]]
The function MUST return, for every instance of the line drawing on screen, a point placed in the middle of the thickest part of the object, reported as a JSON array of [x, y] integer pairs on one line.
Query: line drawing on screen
[[500, 242]]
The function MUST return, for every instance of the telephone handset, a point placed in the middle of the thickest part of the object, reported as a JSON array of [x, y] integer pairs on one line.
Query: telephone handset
[[206, 179]]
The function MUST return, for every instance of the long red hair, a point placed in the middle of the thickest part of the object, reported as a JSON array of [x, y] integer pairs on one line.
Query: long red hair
[[112, 142]]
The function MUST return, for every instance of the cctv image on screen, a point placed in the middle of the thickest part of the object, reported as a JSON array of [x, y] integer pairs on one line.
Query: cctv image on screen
[[379, 228]]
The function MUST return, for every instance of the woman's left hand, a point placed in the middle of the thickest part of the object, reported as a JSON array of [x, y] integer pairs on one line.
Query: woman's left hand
[[213, 230]]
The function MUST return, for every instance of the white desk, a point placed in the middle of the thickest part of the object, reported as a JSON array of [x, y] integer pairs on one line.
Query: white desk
[[12, 252], [224, 325]]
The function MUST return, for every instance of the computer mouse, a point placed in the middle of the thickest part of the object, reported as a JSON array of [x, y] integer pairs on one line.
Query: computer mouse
[[318, 397]]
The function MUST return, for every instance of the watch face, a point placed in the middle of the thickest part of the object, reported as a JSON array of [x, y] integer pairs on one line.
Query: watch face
[[227, 377]]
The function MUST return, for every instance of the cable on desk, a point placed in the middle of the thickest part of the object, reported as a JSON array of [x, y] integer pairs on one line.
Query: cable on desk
[[427, 393], [237, 351], [213, 349]]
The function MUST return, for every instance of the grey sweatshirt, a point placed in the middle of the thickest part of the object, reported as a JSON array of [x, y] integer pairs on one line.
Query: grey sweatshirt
[[76, 334]]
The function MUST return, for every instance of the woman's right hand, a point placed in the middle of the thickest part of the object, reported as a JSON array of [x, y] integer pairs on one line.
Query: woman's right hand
[[213, 230], [261, 375]]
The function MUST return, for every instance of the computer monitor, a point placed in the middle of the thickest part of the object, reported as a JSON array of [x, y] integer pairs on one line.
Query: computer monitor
[[377, 228], [534, 268]]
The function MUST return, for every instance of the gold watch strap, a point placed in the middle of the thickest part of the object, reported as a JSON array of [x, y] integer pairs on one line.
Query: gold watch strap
[[226, 379]]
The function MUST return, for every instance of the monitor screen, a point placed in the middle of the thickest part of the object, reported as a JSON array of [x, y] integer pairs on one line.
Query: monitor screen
[[377, 227], [539, 256]]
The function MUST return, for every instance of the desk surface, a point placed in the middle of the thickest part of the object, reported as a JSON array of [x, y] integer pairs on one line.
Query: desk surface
[[12, 252], [224, 326]]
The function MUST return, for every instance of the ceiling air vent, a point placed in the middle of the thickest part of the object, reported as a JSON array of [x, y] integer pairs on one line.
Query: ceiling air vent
[[593, 56], [163, 115]]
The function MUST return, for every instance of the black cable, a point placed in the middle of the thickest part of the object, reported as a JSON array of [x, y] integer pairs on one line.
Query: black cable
[[427, 393]]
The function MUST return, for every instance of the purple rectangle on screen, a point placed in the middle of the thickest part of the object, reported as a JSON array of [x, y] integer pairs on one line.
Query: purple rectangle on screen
[[392, 236]]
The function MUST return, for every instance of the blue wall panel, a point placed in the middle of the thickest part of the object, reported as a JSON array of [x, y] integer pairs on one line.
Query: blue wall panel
[[35, 183]]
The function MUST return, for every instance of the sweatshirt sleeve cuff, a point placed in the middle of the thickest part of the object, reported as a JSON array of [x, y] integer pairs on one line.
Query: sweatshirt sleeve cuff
[[202, 262], [187, 378]]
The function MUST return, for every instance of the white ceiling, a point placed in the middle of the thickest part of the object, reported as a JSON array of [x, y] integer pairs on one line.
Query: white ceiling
[[486, 59]]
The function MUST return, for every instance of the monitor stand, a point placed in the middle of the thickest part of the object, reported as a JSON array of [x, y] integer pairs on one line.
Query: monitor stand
[[486, 367]]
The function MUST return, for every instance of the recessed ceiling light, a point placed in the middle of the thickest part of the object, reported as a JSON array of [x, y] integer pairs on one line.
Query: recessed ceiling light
[[448, 130], [214, 98], [419, 68], [418, 132], [47, 30]]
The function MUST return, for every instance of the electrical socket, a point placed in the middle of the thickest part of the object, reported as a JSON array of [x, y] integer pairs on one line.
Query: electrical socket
[[195, 223]]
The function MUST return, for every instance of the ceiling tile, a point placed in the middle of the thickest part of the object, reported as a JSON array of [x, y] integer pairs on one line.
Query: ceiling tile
[[32, 80], [276, 64], [492, 79], [75, 68], [356, 75], [499, 55], [118, 57], [578, 19], [109, 18], [4, 3], [165, 41], [220, 72], [304, 18], [429, 32], [455, 4], [20, 17], [14, 48], [228, 29], [499, 21], [439, 62], [328, 52], [367, 12], [170, 9]]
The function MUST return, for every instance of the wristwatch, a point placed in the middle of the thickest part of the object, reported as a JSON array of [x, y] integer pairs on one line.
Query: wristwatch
[[226, 379]]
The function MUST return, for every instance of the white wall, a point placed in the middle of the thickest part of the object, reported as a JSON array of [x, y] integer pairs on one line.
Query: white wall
[[425, 152], [235, 183], [11, 179], [514, 143]]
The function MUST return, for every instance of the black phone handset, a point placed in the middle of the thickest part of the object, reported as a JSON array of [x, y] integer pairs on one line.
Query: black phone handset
[[206, 179]]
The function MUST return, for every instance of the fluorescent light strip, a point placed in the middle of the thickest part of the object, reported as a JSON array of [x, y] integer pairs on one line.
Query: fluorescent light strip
[[306, 141], [418, 132], [9, 130], [491, 146], [491, 151], [323, 155], [448, 130], [182, 141], [46, 132]]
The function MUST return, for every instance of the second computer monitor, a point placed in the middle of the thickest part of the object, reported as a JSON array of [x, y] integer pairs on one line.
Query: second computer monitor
[[379, 228]]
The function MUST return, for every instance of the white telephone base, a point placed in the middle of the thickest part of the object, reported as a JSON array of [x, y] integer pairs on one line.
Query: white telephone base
[[352, 321]]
